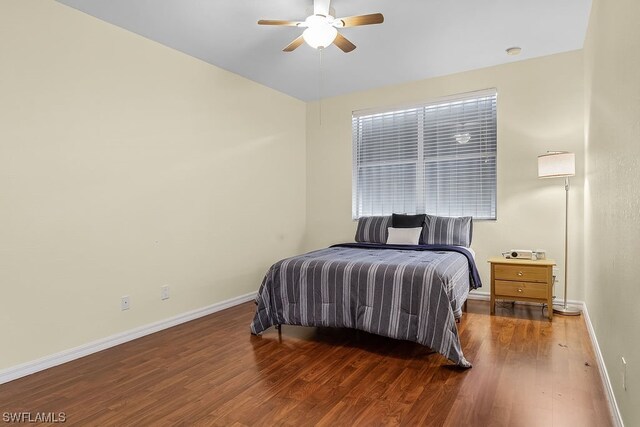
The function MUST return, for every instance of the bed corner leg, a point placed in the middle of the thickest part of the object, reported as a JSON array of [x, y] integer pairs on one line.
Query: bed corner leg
[[279, 328], [464, 306]]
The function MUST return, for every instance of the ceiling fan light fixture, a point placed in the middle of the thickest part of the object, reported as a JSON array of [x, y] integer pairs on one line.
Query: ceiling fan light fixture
[[319, 35]]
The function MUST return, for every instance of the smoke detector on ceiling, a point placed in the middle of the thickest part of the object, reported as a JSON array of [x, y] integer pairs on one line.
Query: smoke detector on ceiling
[[513, 51]]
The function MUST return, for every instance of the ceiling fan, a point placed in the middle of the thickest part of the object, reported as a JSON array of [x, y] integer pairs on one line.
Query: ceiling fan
[[321, 27]]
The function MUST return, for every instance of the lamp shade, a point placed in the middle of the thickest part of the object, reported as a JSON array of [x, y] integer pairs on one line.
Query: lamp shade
[[556, 164]]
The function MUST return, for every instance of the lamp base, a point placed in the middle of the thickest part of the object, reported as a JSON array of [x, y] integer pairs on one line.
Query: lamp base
[[565, 310]]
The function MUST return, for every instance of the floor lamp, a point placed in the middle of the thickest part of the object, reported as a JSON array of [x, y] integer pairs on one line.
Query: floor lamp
[[561, 164]]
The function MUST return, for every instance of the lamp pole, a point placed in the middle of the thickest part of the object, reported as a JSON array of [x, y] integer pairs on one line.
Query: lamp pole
[[565, 309]]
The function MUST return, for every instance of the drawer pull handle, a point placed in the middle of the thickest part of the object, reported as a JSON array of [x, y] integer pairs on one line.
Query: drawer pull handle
[[519, 273], [519, 290]]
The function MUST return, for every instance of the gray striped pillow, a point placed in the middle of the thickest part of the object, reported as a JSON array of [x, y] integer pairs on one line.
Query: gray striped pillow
[[441, 230], [373, 229]]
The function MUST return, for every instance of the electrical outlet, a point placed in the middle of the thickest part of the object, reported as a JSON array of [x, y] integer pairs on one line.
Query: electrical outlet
[[624, 373], [125, 303], [556, 270], [164, 292]]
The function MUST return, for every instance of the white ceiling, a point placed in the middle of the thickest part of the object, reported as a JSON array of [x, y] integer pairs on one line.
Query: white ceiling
[[419, 38]]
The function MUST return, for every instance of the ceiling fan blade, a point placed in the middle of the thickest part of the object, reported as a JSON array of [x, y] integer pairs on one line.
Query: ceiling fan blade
[[345, 45], [321, 7], [355, 21], [279, 22], [294, 45]]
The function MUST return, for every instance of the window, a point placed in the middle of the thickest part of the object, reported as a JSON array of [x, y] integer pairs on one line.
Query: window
[[437, 158]]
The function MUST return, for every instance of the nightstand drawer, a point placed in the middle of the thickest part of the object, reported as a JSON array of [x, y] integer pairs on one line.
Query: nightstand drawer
[[521, 289], [520, 273]]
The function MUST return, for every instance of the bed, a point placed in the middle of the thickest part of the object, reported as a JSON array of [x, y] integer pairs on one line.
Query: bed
[[407, 292]]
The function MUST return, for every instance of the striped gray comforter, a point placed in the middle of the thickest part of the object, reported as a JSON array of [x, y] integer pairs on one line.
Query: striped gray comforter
[[403, 294]]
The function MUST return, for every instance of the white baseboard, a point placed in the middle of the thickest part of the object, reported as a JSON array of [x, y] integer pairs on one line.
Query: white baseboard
[[613, 405], [479, 296], [604, 375], [28, 368]]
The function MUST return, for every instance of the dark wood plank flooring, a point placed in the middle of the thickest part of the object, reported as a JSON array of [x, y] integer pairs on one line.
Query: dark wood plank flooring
[[211, 371]]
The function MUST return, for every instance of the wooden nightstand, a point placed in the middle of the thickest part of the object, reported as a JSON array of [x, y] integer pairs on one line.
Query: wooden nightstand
[[522, 280]]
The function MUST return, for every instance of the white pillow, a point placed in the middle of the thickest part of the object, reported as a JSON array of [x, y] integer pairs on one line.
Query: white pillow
[[404, 236]]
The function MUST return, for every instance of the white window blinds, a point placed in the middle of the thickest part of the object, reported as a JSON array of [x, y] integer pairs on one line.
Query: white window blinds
[[437, 158]]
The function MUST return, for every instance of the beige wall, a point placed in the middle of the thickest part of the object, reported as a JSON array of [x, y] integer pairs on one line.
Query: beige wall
[[612, 198], [540, 108], [124, 166]]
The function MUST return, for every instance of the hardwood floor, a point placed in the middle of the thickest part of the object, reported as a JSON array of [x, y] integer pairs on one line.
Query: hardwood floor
[[211, 371]]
